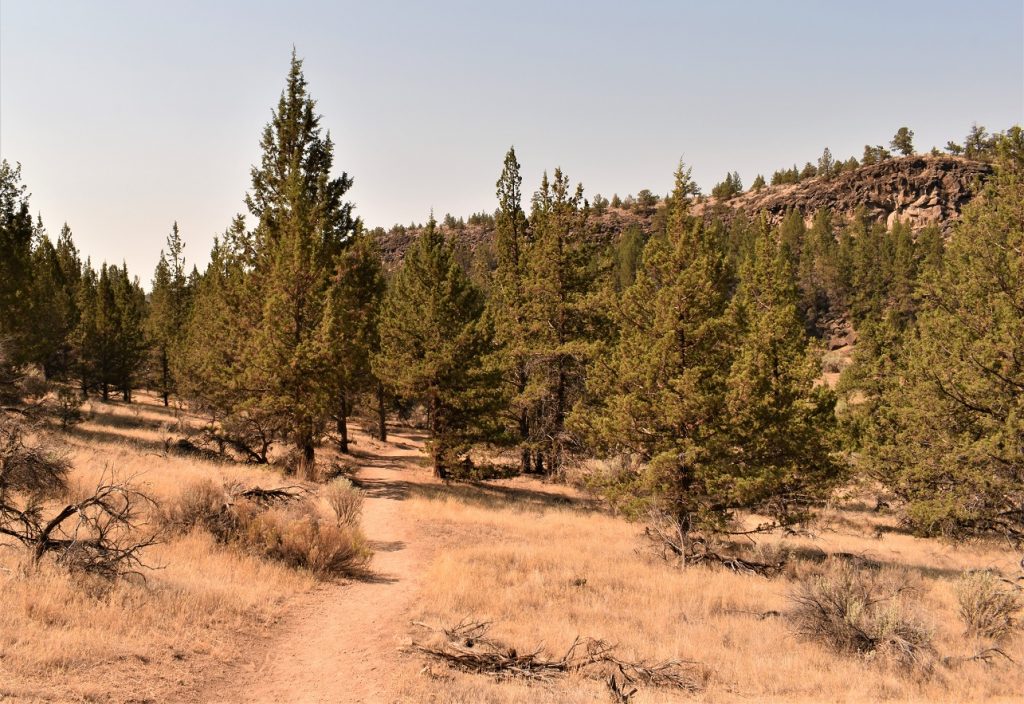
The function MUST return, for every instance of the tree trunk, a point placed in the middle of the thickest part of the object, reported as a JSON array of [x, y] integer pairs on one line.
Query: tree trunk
[[524, 426], [165, 363], [382, 418], [538, 466], [434, 417], [308, 452], [106, 391], [343, 423], [440, 470]]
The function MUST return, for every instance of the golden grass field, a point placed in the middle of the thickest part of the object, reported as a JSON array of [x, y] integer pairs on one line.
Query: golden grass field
[[539, 561]]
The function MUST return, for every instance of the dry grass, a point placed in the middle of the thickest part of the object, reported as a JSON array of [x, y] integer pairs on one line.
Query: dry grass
[[68, 638], [543, 567], [547, 573]]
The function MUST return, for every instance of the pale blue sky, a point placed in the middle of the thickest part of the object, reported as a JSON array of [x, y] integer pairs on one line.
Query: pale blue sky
[[129, 115]]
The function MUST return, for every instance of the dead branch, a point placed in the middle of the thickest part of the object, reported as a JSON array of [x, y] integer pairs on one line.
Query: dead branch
[[467, 648], [674, 542], [986, 655], [618, 691], [267, 497]]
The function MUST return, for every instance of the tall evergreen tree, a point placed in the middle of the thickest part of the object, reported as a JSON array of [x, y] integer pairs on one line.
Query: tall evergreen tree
[[658, 397], [349, 330], [559, 278], [16, 233], [434, 340], [781, 420], [168, 311], [302, 225], [949, 437], [507, 300]]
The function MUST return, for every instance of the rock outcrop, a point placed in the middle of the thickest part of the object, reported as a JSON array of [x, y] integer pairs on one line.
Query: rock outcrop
[[918, 190]]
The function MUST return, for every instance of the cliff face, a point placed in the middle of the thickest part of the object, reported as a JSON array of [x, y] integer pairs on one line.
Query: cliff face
[[917, 190]]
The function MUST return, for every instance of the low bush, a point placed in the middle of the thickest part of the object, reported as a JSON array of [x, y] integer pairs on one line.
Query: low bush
[[855, 610], [345, 501], [988, 605], [299, 536], [277, 524]]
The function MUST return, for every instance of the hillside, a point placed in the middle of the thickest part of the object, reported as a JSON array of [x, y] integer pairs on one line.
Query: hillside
[[920, 190], [917, 190]]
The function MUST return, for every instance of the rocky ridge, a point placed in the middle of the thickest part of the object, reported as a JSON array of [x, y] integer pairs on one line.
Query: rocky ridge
[[920, 191]]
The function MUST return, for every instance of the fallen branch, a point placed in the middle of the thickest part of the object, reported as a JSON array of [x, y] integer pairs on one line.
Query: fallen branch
[[267, 497], [987, 656], [467, 648]]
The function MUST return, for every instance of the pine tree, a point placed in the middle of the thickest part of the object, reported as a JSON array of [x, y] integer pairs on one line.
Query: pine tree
[[303, 223], [903, 141], [951, 440], [434, 339], [168, 311], [558, 281], [349, 330], [507, 301]]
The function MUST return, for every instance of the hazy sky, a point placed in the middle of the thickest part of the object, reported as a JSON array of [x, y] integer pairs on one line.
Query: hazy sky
[[127, 116]]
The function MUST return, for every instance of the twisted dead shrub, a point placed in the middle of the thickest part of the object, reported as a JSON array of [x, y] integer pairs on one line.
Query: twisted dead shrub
[[865, 612], [98, 534]]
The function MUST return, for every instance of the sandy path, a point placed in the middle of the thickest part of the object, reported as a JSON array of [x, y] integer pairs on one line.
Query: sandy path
[[335, 645]]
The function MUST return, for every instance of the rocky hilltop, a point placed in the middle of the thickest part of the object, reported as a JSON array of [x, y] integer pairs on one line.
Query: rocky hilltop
[[917, 190]]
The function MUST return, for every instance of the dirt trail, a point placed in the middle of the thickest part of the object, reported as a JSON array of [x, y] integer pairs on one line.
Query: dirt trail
[[336, 644]]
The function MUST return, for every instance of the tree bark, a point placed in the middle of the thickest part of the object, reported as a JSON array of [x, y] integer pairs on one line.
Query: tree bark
[[524, 427], [343, 423], [106, 392], [382, 418]]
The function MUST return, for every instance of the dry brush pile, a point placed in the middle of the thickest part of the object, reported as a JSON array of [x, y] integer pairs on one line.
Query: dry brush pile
[[466, 646]]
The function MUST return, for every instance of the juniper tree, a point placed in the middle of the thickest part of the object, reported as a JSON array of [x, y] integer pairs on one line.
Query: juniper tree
[[211, 367], [168, 311], [507, 301], [558, 281], [434, 341], [302, 224], [781, 422], [349, 329], [16, 232], [50, 306], [950, 441], [657, 398]]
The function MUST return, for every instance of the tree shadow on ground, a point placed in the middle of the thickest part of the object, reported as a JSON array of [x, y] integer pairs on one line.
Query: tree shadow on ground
[[474, 493]]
